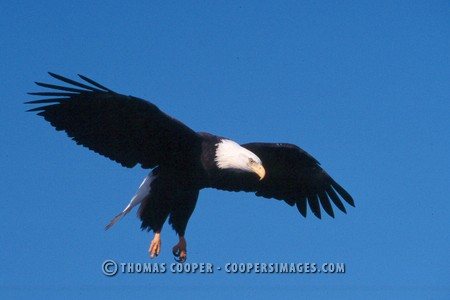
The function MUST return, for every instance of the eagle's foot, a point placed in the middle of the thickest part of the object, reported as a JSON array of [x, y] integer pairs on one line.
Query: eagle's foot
[[179, 250], [155, 246]]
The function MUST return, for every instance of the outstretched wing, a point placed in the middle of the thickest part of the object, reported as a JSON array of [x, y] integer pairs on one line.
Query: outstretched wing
[[123, 128], [296, 177]]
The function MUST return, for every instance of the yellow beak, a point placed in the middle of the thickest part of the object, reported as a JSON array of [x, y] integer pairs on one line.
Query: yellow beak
[[259, 169]]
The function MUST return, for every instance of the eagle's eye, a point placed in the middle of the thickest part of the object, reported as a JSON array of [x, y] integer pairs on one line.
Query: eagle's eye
[[252, 161]]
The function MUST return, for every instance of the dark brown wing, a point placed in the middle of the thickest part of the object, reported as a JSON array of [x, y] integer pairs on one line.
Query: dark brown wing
[[123, 128], [294, 176]]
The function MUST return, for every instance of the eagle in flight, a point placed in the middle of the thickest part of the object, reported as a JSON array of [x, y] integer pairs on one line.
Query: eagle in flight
[[133, 131]]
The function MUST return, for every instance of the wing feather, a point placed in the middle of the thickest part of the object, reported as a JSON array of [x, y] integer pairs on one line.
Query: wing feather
[[301, 206], [313, 202], [295, 176], [123, 128], [335, 198], [325, 202]]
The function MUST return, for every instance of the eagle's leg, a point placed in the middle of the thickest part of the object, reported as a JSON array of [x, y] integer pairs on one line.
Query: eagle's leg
[[179, 250], [155, 245]]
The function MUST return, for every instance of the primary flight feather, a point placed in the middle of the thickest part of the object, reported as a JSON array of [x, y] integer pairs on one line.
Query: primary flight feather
[[133, 131]]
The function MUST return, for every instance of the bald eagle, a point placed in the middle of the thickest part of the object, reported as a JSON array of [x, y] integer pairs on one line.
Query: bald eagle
[[132, 131]]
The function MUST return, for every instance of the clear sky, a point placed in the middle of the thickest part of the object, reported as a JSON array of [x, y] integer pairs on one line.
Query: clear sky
[[364, 86]]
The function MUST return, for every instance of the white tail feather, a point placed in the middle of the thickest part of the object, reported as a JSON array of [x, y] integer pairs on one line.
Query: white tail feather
[[142, 192]]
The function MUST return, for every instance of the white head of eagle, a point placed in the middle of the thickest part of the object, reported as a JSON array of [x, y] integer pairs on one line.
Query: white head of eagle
[[230, 155]]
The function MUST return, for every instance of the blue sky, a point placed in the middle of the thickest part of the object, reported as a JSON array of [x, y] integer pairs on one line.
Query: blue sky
[[361, 85]]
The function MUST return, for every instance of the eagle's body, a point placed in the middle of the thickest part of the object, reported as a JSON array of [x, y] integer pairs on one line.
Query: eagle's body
[[133, 131]]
